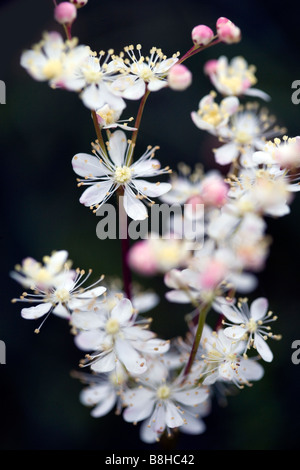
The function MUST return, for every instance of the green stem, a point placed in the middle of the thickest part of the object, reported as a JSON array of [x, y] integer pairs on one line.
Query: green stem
[[201, 322]]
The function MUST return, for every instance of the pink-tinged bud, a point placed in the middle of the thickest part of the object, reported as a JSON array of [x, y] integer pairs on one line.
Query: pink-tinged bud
[[202, 35], [179, 77], [212, 275], [214, 191], [79, 3], [65, 13], [210, 67], [141, 258], [228, 32]]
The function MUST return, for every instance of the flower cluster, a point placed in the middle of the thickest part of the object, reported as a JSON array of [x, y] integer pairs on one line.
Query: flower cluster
[[168, 384]]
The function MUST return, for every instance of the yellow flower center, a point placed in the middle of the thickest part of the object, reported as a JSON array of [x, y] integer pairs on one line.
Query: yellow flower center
[[122, 174], [164, 392], [112, 326], [62, 295], [52, 69], [252, 325]]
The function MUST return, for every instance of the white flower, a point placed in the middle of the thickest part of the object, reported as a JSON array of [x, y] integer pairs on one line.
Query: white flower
[[94, 79], [104, 176], [116, 335], [284, 153], [33, 274], [62, 298], [53, 59], [248, 130], [164, 405], [252, 324], [210, 116], [224, 361], [235, 78], [142, 72], [265, 191], [108, 118], [103, 392]]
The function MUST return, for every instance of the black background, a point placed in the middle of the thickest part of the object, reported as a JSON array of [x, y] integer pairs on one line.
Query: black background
[[42, 129]]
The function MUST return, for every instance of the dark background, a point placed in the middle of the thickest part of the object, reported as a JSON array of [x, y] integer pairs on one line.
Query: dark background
[[42, 129]]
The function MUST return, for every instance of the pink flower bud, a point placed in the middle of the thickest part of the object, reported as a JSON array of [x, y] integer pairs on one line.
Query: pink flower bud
[[213, 274], [228, 32], [65, 13], [202, 35], [141, 258], [79, 3], [214, 191], [210, 67], [179, 77]]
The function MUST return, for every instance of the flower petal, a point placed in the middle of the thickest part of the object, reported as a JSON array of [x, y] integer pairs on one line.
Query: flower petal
[[38, 311], [131, 359], [88, 165], [258, 308], [96, 193], [263, 348], [134, 208], [226, 153], [123, 311], [117, 147], [151, 189]]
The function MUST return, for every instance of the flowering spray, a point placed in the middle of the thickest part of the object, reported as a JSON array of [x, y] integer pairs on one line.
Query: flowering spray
[[166, 385]]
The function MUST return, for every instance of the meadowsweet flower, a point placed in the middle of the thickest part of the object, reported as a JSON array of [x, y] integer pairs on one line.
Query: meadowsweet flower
[[211, 116], [116, 335], [265, 191], [141, 72], [283, 152], [54, 60], [163, 405], [104, 176], [103, 392], [248, 130], [224, 361], [33, 274], [109, 118], [62, 298], [234, 77], [252, 324], [93, 78]]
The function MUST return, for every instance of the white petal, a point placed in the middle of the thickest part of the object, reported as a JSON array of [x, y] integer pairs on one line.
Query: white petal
[[263, 348], [232, 314], [234, 332], [134, 208], [89, 340], [135, 91], [92, 97], [193, 425], [145, 302], [152, 189], [259, 93], [258, 308], [107, 363], [117, 147], [250, 369], [152, 346], [131, 359], [156, 84], [87, 320], [191, 397], [142, 410], [226, 153], [38, 311], [179, 296], [105, 407], [147, 434], [92, 293], [173, 416], [123, 311], [88, 165], [230, 105], [61, 311], [96, 193]]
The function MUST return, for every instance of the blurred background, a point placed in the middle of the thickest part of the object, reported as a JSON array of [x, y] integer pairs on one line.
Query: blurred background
[[42, 129]]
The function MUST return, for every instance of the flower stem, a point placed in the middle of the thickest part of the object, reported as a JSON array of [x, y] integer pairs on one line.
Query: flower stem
[[98, 132], [201, 322], [195, 49], [137, 125]]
